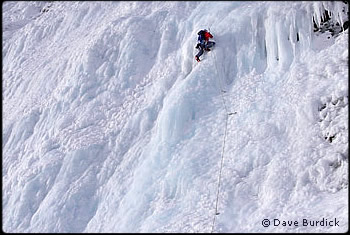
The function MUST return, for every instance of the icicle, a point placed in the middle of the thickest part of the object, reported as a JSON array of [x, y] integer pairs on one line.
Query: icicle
[[338, 13], [318, 13]]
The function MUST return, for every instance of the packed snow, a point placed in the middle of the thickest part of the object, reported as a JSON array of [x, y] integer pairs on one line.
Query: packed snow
[[111, 125]]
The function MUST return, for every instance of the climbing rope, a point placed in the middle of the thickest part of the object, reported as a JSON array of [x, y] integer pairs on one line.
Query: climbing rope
[[219, 178], [223, 147], [221, 87]]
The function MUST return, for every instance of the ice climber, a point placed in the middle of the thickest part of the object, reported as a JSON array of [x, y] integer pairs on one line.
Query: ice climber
[[203, 43]]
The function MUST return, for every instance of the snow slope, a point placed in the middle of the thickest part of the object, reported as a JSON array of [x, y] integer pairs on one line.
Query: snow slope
[[110, 125]]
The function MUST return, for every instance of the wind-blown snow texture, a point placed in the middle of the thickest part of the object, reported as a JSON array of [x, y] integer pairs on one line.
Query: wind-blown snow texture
[[110, 125]]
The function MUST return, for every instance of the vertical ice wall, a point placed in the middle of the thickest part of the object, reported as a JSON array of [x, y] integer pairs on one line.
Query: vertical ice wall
[[111, 126]]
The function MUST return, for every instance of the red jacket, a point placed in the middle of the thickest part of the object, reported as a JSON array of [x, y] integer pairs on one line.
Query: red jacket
[[207, 35]]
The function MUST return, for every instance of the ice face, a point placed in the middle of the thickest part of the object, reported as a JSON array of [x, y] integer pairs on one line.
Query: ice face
[[110, 125]]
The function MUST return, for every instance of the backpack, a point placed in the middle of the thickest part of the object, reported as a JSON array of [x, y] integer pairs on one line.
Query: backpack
[[201, 35]]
